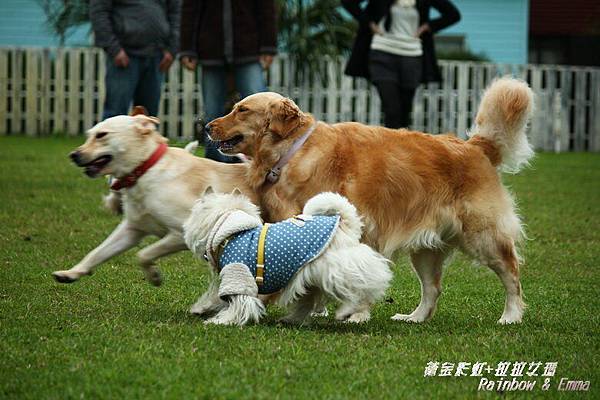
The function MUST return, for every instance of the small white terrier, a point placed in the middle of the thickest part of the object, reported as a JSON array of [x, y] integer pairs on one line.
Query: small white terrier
[[313, 257]]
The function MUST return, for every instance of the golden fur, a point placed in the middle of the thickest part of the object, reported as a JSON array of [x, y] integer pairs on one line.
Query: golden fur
[[416, 192]]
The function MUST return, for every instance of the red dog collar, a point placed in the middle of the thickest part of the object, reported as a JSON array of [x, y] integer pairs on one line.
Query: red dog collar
[[130, 180]]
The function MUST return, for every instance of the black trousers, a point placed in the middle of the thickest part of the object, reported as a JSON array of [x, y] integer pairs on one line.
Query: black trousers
[[396, 103], [397, 79]]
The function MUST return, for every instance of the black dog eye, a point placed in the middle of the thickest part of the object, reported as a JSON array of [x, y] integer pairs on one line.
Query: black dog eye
[[242, 109], [100, 135]]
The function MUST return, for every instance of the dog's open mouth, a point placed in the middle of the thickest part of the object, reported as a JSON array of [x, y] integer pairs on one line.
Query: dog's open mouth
[[226, 145], [94, 167]]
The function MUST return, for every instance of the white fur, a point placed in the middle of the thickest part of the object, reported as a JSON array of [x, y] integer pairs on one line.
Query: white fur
[[329, 203], [348, 271], [209, 303], [191, 147], [113, 202], [505, 124], [206, 212], [242, 309]]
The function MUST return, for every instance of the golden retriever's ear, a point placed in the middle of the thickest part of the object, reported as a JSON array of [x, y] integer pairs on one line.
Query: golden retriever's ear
[[284, 116], [138, 110], [145, 124]]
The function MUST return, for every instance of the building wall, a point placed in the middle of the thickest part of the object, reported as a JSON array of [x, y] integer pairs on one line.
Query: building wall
[[559, 17], [497, 28], [565, 32], [23, 23]]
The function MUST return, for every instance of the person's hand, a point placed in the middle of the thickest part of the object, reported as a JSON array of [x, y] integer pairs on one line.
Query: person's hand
[[189, 63], [121, 59], [265, 60], [166, 61], [422, 29], [375, 28]]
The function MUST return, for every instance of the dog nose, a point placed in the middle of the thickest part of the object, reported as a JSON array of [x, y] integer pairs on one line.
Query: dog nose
[[75, 157]]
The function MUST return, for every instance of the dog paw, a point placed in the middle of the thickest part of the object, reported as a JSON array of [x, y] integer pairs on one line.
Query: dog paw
[[344, 312], [218, 321], [409, 318], [322, 313], [358, 318], [153, 276], [509, 320], [65, 276], [199, 310], [206, 310]]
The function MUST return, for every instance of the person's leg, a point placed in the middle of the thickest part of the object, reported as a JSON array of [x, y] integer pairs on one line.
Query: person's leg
[[149, 85], [409, 70], [406, 105], [384, 75], [391, 105], [249, 79], [214, 87], [120, 85]]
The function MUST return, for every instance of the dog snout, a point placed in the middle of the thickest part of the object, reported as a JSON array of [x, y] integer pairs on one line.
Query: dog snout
[[75, 156]]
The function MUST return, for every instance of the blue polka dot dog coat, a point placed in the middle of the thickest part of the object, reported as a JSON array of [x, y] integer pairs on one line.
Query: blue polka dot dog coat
[[289, 245]]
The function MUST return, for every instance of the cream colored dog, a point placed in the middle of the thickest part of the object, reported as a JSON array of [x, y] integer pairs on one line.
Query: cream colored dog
[[159, 201]]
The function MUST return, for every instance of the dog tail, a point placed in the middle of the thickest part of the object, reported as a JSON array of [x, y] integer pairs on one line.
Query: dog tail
[[501, 121], [329, 203], [191, 147]]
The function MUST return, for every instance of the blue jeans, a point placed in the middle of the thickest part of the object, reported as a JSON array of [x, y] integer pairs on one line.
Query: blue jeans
[[249, 79], [139, 82]]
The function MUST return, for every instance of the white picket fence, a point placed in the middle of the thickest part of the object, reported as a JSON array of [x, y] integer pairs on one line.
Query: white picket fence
[[61, 90]]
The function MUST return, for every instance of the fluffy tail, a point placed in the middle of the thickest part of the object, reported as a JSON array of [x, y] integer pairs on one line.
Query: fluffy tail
[[329, 203], [191, 147], [502, 118]]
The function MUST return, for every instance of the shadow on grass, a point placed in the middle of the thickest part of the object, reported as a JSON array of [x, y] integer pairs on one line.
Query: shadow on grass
[[379, 325]]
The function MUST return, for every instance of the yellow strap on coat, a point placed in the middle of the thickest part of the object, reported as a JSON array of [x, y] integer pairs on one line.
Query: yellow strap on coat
[[260, 257]]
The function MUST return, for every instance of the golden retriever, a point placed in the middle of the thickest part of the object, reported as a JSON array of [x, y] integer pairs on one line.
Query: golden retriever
[[423, 194]]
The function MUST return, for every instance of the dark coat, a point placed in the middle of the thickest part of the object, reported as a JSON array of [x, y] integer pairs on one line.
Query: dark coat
[[358, 63], [140, 27], [228, 31]]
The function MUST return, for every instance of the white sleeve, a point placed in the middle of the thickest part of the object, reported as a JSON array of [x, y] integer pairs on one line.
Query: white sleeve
[[236, 279]]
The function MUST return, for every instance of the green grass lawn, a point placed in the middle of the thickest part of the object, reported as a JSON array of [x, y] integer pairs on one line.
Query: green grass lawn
[[112, 335]]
